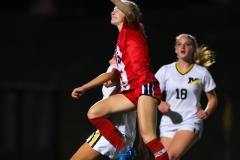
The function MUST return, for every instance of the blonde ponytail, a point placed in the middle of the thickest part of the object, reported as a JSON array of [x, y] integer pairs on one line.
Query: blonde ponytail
[[204, 57]]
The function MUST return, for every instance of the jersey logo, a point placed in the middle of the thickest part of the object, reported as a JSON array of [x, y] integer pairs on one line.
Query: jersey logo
[[193, 81], [119, 59]]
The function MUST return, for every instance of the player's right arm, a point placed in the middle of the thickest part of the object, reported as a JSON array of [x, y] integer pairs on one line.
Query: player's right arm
[[77, 92]]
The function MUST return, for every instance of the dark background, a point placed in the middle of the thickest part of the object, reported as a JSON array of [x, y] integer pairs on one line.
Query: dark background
[[49, 47]]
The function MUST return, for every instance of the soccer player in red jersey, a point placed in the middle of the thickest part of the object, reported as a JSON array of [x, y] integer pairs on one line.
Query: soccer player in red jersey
[[139, 88]]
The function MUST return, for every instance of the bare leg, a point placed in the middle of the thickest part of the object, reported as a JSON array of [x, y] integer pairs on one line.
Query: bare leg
[[97, 113], [147, 117], [117, 103], [85, 152], [179, 144], [166, 141]]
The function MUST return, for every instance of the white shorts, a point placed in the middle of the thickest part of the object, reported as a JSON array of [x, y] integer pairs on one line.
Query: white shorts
[[101, 145], [170, 129]]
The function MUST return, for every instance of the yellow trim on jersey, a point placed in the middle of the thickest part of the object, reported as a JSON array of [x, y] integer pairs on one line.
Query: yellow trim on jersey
[[196, 131], [182, 73], [94, 138]]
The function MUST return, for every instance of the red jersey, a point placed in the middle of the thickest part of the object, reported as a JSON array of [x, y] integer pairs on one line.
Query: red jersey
[[132, 56]]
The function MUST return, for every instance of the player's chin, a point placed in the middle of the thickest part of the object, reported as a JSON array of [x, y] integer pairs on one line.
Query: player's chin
[[113, 22]]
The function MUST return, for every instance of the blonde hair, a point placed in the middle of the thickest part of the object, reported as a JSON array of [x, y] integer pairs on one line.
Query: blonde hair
[[136, 11], [201, 55]]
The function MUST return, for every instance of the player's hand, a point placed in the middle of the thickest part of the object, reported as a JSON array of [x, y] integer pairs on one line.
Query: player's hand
[[108, 84], [164, 107], [114, 81], [77, 92], [202, 114], [143, 151]]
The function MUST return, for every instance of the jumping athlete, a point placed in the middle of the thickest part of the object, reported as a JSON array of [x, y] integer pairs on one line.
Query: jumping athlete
[[139, 88]]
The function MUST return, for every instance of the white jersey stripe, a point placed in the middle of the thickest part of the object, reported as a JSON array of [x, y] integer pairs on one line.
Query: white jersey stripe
[[147, 89]]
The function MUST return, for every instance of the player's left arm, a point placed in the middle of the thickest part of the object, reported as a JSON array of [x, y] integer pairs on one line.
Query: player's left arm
[[211, 106]]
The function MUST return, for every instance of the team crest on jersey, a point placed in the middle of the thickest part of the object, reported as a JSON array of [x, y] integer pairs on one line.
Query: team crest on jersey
[[193, 81]]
